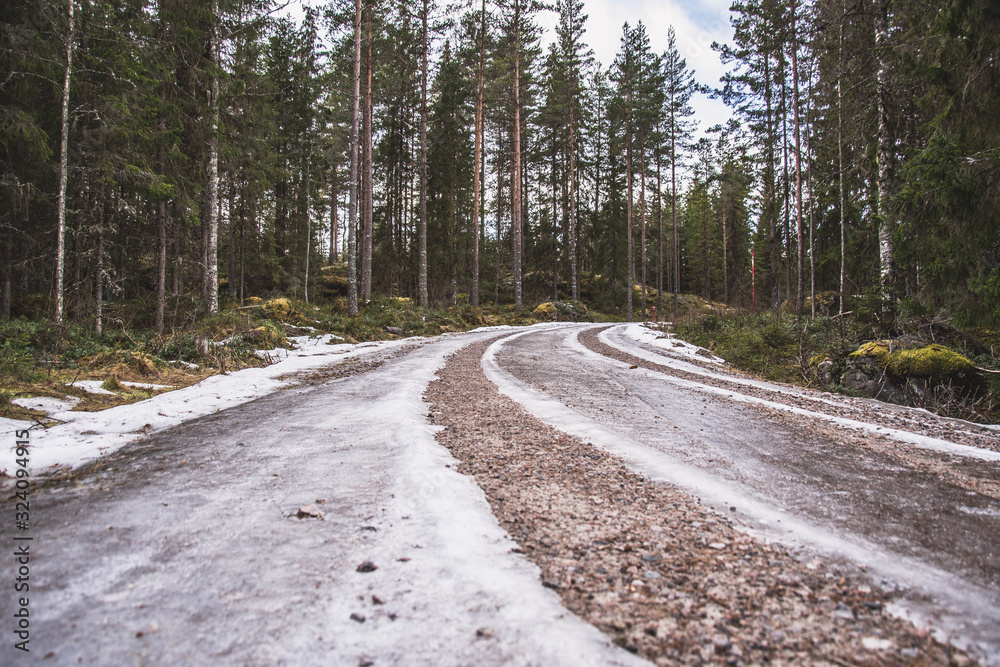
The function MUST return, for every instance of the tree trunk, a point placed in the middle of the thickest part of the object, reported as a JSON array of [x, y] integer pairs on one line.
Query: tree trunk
[[840, 161], [352, 220], [673, 212], [574, 280], [515, 214], [885, 156], [366, 253], [212, 207], [725, 244], [800, 266], [334, 254], [659, 223], [422, 225], [305, 283], [477, 175], [99, 273], [628, 217], [642, 227], [770, 189], [64, 163]]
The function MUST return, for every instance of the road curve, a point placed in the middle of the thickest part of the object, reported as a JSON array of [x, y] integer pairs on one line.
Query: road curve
[[185, 548], [923, 519]]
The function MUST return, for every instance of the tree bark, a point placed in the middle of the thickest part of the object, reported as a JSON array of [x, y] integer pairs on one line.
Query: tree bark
[[628, 177], [352, 220], [334, 255], [574, 281], [99, 273], [840, 161], [642, 227], [477, 176], [366, 252], [422, 224], [515, 214], [212, 259], [885, 156], [64, 163], [800, 266], [659, 222]]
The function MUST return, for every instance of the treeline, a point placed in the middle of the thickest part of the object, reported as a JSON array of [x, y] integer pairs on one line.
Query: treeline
[[206, 148]]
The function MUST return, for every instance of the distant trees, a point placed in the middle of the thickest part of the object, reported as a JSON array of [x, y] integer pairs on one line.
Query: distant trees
[[157, 152]]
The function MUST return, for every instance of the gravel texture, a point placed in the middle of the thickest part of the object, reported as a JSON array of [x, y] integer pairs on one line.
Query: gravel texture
[[646, 563]]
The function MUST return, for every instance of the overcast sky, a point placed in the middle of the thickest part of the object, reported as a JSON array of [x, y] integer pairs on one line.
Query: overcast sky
[[697, 25]]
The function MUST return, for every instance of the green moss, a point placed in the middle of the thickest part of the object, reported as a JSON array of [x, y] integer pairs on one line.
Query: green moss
[[933, 361], [546, 310], [877, 350]]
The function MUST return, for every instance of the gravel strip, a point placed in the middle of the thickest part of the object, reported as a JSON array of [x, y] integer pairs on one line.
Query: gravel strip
[[645, 563], [860, 409]]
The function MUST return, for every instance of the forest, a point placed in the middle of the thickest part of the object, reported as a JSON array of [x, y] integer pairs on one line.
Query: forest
[[216, 150]]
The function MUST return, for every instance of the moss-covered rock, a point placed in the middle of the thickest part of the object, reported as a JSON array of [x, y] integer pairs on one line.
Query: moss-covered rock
[[930, 361], [254, 301], [877, 350], [545, 310], [933, 361]]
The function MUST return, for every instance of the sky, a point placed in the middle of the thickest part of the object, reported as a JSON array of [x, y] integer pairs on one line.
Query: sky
[[697, 25]]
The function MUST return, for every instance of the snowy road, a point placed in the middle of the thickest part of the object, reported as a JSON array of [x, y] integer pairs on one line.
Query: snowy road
[[184, 547], [925, 519]]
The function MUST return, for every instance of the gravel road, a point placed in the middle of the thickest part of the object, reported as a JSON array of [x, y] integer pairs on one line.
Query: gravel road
[[404, 510], [921, 520]]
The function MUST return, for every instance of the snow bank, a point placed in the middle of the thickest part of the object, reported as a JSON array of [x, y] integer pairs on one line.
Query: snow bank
[[669, 343], [83, 436]]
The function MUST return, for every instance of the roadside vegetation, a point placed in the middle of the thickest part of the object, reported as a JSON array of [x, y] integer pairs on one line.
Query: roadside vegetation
[[40, 359], [922, 360]]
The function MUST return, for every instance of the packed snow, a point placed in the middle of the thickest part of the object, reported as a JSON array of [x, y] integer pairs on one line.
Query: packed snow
[[668, 342]]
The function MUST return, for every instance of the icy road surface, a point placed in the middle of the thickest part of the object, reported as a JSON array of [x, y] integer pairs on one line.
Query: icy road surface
[[184, 548], [919, 511]]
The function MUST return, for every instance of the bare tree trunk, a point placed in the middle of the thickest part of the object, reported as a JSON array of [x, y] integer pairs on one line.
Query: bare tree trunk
[[334, 204], [628, 176], [5, 294], [840, 161], [725, 246], [212, 207], [574, 280], [885, 156], [352, 220], [99, 272], [477, 176], [770, 189], [366, 253], [642, 227], [305, 284], [64, 163], [422, 225], [799, 295], [515, 215], [673, 213], [659, 223]]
